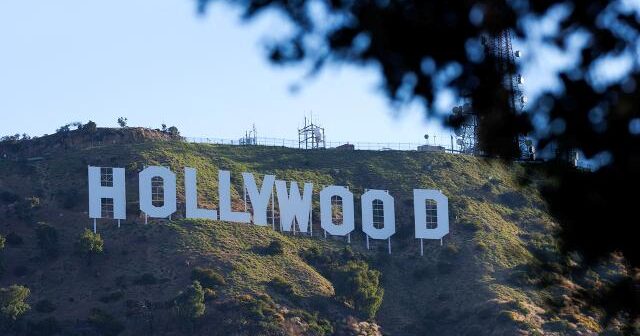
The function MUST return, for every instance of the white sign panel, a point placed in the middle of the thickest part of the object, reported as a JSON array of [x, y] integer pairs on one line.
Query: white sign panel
[[326, 211], [168, 192], [420, 197], [431, 207], [116, 192], [389, 227]]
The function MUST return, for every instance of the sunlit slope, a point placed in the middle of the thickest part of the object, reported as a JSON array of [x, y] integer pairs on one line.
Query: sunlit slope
[[475, 283]]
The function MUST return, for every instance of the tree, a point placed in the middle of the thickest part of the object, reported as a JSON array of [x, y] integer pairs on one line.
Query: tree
[[122, 121], [189, 304], [47, 236], [2, 241], [425, 49], [90, 244], [90, 127], [173, 131], [13, 302]]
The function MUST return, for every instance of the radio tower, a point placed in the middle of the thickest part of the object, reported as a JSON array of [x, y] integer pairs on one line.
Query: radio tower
[[501, 48]]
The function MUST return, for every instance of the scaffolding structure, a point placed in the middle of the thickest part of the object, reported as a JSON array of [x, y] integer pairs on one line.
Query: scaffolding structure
[[311, 136]]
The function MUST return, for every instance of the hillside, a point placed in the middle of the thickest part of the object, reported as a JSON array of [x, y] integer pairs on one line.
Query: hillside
[[490, 277]]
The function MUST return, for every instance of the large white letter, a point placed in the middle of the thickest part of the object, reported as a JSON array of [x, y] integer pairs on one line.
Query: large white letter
[[420, 196], [224, 194], [389, 227], [259, 199], [169, 191], [326, 218], [116, 192], [292, 206], [191, 197]]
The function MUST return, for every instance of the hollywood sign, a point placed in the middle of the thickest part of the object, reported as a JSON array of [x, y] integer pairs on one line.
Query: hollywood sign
[[293, 206]]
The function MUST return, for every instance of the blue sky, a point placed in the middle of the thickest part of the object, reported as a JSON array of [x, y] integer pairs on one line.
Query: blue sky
[[156, 61]]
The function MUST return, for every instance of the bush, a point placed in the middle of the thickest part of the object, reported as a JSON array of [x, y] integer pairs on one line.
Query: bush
[[359, 285], [104, 323], [90, 127], [282, 286], [189, 304], [47, 240], [2, 240], [276, 247], [45, 307], [90, 244], [13, 302], [207, 277]]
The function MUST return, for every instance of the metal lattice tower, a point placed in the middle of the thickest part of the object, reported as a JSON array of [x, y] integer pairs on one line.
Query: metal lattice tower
[[311, 136], [501, 48]]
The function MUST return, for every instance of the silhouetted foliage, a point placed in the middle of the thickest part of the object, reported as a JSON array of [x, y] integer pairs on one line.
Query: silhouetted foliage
[[276, 247], [427, 48], [90, 127], [122, 122], [208, 278]]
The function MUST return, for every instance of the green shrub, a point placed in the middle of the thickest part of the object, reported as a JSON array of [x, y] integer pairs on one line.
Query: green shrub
[[360, 286], [45, 307], [104, 323], [451, 251], [13, 302], [47, 237], [316, 325], [90, 244], [189, 304], [2, 240], [207, 277], [275, 248]]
